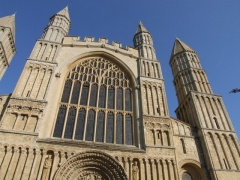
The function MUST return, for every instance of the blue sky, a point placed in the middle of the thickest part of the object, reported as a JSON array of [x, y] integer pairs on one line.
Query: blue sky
[[212, 28]]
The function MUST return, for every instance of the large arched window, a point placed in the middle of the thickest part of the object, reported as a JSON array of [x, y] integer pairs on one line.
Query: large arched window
[[96, 104]]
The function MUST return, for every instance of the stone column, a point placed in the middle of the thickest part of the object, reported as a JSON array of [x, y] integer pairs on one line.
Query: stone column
[[148, 170], [11, 165], [54, 164], [130, 168], [154, 173], [142, 170], [20, 164], [171, 174], [165, 170]]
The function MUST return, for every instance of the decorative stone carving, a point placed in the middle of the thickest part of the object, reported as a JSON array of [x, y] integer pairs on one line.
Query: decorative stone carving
[[135, 171], [91, 165], [46, 168]]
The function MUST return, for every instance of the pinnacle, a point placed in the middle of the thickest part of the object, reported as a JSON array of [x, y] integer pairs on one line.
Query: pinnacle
[[180, 46], [64, 12], [141, 28]]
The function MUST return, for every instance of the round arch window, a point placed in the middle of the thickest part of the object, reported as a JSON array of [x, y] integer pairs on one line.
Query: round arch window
[[96, 104], [186, 176]]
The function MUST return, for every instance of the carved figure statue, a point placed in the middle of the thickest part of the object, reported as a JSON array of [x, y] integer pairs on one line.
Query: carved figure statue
[[135, 171], [46, 168]]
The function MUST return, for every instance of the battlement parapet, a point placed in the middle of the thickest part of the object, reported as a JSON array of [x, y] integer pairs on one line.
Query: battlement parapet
[[101, 42]]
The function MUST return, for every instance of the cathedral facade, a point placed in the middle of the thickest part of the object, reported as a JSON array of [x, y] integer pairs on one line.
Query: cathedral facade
[[87, 109]]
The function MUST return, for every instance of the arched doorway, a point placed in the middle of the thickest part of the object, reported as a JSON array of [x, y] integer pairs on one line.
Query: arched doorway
[[93, 165], [191, 170]]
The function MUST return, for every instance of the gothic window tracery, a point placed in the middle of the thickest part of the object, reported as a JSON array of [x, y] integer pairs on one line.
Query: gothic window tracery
[[96, 104]]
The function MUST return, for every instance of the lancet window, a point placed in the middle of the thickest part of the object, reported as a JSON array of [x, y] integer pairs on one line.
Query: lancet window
[[96, 104]]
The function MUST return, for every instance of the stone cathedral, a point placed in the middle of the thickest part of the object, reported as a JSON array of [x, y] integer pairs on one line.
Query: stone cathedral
[[84, 109]]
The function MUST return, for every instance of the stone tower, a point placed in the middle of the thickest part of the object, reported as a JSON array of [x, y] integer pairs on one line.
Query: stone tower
[[7, 42], [205, 111], [36, 76], [151, 79]]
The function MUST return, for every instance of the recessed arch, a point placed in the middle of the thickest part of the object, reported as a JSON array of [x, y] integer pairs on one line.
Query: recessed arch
[[91, 164], [190, 168]]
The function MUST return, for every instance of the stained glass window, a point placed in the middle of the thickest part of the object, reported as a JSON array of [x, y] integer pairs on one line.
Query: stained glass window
[[80, 124], [75, 93], [90, 125], [128, 100], [128, 130], [93, 95], [84, 95], [102, 97], [119, 129], [119, 99], [70, 123], [66, 91], [82, 89], [109, 131], [100, 127], [60, 122], [111, 97]]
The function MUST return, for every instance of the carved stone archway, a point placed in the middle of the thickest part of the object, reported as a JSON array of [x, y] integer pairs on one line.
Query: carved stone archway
[[91, 165]]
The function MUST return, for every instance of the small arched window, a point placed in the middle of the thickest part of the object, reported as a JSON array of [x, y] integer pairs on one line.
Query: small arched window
[[216, 123]]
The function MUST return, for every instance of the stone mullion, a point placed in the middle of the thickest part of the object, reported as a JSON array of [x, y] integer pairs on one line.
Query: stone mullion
[[75, 124], [36, 164], [115, 111], [95, 125], [85, 125], [124, 128], [105, 126], [142, 170], [54, 164]]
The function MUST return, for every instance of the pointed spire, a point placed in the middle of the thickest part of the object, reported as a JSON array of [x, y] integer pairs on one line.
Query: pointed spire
[[141, 28], [9, 22], [64, 12], [180, 46]]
